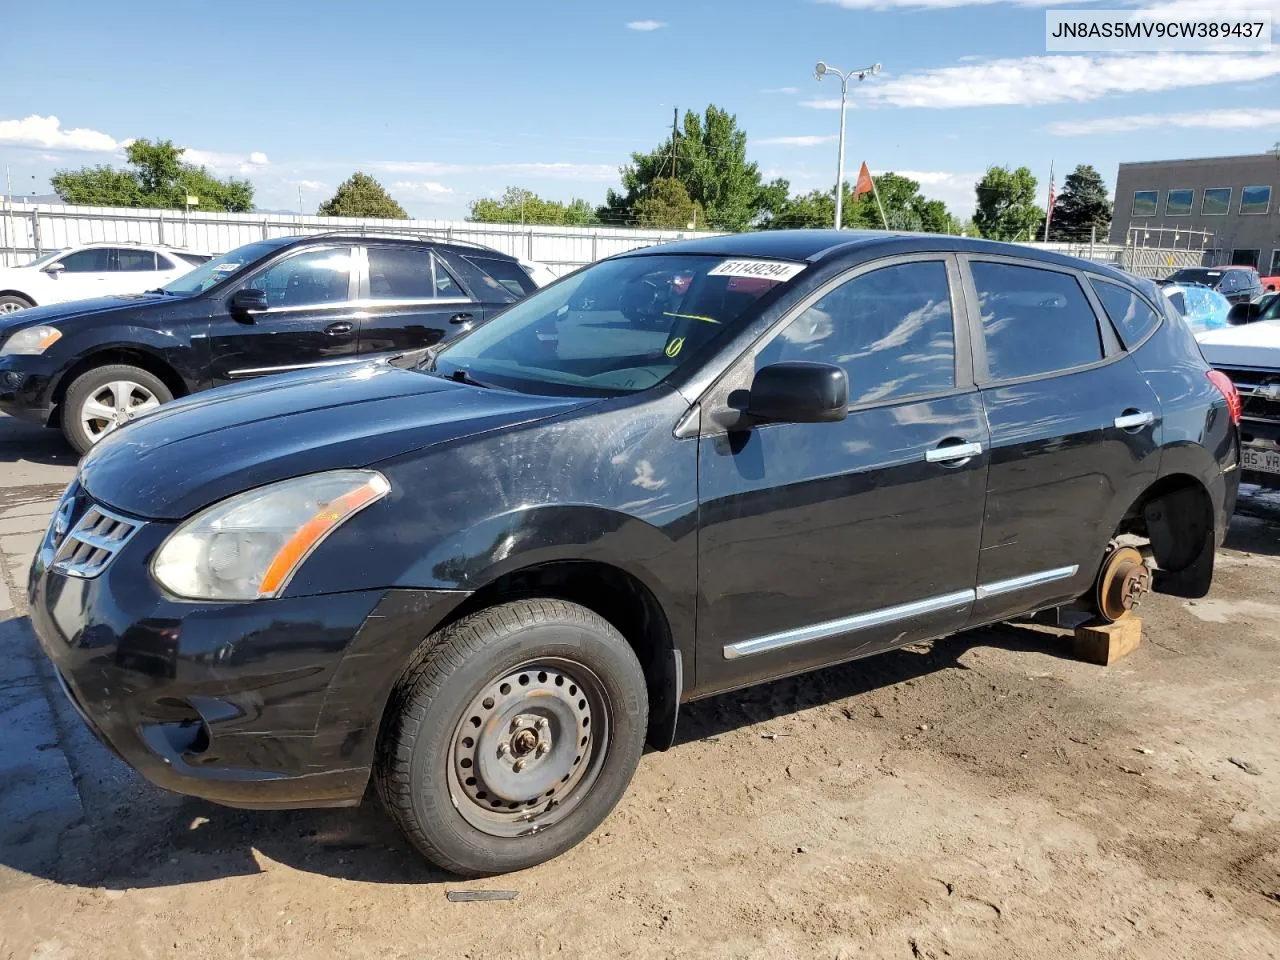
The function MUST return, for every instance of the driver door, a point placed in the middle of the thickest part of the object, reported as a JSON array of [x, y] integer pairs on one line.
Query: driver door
[[312, 320]]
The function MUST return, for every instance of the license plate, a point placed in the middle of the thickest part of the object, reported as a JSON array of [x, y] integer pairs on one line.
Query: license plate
[[1266, 461]]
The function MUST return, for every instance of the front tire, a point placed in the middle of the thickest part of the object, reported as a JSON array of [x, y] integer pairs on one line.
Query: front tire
[[104, 398], [12, 303], [512, 735]]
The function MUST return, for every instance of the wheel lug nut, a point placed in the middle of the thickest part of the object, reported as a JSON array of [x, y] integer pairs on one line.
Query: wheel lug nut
[[515, 724], [542, 749], [518, 766], [502, 749], [543, 723]]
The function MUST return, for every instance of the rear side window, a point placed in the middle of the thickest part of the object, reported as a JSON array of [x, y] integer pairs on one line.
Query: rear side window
[[135, 261], [400, 273], [1132, 317], [195, 259], [891, 329], [506, 272], [1034, 321]]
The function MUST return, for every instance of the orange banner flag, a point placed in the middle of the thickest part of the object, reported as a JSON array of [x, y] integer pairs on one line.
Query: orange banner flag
[[864, 184]]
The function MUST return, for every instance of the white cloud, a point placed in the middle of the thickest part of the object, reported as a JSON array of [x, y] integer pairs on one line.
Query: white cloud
[[644, 26], [47, 133], [801, 141], [226, 163], [549, 171], [789, 91], [308, 184], [1028, 81], [422, 189], [1226, 118], [953, 189]]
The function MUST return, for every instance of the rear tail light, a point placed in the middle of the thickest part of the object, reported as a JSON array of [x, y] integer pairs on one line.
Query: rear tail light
[[1228, 390]]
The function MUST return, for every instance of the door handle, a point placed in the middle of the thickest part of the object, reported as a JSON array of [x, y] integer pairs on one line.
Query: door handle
[[339, 329], [953, 454], [462, 318], [1132, 419]]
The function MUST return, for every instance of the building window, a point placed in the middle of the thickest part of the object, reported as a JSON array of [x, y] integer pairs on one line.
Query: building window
[[1177, 203], [1275, 263], [1144, 203], [1245, 258], [1255, 199], [1216, 202]]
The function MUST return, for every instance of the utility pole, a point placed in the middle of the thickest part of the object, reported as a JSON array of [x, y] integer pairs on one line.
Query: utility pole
[[820, 71], [675, 133]]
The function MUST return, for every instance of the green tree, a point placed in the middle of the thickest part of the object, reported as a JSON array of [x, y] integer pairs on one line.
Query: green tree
[[517, 205], [156, 178], [362, 196], [813, 210], [1082, 208], [709, 156], [1007, 204], [667, 204], [905, 208]]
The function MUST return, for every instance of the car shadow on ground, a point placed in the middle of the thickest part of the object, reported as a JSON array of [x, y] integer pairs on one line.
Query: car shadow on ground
[[1257, 518], [30, 442], [184, 840]]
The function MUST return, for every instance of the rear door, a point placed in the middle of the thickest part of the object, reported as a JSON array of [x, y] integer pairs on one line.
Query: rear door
[[1074, 431], [312, 319], [409, 299], [819, 542], [135, 271]]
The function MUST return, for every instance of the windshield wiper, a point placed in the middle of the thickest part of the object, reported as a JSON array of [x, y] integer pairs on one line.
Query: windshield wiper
[[463, 375]]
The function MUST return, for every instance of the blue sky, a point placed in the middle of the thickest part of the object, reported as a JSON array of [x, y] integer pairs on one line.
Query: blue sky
[[448, 102]]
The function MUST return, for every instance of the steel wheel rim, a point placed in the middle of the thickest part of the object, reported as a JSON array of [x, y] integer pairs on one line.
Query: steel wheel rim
[[10, 307], [112, 405], [529, 747]]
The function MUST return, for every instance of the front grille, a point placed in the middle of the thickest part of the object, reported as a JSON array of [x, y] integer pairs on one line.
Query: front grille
[[89, 546], [1259, 392]]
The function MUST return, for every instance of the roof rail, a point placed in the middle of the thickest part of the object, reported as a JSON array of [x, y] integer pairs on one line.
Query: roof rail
[[407, 234]]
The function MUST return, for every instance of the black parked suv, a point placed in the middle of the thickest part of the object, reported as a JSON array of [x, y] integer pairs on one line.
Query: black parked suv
[[485, 578], [290, 303], [1237, 284]]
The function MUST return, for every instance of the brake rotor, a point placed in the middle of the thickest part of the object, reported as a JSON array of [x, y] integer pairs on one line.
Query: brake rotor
[[1125, 579]]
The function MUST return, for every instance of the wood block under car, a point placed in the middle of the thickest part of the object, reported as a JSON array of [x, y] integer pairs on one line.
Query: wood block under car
[[1105, 643]]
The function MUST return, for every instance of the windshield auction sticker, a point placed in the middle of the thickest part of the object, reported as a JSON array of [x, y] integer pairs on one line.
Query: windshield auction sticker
[[1184, 27], [774, 270]]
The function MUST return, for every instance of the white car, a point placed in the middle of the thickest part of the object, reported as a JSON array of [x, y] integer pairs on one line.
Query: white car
[[94, 270], [539, 273]]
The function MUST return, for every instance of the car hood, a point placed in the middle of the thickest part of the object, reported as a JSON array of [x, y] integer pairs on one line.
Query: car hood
[[197, 451], [57, 312], [1251, 345]]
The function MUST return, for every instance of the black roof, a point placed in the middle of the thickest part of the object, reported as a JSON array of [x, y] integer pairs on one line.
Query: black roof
[[460, 247], [814, 245]]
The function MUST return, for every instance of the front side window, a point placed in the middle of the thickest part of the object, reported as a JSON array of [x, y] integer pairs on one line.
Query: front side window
[[1132, 317], [1034, 321], [891, 329], [1144, 203], [1254, 200], [400, 273], [312, 278], [93, 260], [135, 261], [618, 326], [1216, 202], [1178, 203]]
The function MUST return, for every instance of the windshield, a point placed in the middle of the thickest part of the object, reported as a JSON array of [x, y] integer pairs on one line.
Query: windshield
[[219, 268], [42, 260], [616, 327], [1209, 278]]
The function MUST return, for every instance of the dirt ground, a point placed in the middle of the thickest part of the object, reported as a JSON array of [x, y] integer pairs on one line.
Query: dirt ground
[[983, 796]]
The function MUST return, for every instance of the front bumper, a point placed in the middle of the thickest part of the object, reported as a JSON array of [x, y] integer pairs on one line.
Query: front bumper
[[272, 703], [27, 386]]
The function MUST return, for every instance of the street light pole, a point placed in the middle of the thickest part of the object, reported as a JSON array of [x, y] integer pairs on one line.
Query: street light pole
[[861, 73]]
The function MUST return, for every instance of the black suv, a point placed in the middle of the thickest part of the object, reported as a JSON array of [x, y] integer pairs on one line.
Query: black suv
[[486, 577], [274, 305], [1237, 284]]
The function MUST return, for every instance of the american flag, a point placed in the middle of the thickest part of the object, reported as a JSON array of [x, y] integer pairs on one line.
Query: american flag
[[1053, 195]]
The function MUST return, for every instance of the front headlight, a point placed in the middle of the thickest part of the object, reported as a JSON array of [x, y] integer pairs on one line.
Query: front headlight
[[249, 546], [31, 342]]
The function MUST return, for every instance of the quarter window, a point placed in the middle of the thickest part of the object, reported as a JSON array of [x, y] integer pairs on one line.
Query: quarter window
[[891, 329], [1034, 321], [1129, 313], [446, 286], [1216, 202], [135, 261], [506, 273], [94, 260], [400, 273], [1177, 203], [1144, 203], [308, 279], [1255, 200]]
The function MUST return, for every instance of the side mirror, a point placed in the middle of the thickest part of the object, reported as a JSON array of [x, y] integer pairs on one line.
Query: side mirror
[[55, 268], [799, 392], [1243, 313], [248, 301]]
